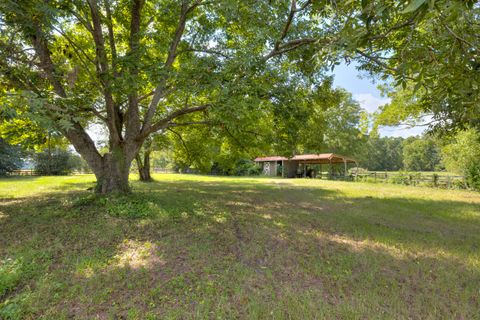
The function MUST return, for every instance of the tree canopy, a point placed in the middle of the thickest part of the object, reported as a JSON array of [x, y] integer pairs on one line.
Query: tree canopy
[[420, 154], [141, 67], [428, 52]]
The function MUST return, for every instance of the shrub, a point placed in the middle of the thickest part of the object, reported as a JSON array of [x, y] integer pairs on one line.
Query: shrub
[[472, 175], [400, 178], [463, 156], [54, 162], [10, 158], [245, 167], [128, 206]]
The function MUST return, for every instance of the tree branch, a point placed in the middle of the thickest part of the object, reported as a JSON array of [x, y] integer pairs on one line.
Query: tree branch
[[164, 123], [85, 146], [179, 124], [172, 52], [456, 36], [113, 112], [289, 46], [183, 143], [280, 48], [375, 60], [293, 9], [46, 63], [111, 37], [132, 114]]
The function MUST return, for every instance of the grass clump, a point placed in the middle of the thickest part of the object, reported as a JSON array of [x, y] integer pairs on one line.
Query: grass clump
[[132, 206]]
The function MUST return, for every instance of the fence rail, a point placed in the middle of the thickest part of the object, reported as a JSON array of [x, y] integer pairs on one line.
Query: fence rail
[[22, 173], [407, 178]]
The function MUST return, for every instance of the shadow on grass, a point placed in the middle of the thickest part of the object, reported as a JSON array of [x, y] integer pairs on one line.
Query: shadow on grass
[[242, 249]]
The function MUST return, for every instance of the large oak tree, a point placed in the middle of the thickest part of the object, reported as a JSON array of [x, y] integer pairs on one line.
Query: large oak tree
[[139, 67]]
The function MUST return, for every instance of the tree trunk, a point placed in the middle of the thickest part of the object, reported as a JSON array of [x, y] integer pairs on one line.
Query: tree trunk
[[113, 170], [112, 177], [144, 167]]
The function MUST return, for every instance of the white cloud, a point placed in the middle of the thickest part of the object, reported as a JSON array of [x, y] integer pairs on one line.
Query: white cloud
[[369, 102], [401, 131]]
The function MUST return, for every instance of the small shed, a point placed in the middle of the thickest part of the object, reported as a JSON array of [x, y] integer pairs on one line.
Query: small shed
[[290, 166]]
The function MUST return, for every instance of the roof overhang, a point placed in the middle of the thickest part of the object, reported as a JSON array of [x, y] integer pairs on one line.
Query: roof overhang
[[322, 158]]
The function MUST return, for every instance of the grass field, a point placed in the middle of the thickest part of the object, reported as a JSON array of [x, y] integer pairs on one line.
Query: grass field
[[427, 173], [195, 247]]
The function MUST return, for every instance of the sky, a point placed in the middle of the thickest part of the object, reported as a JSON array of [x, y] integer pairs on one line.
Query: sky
[[366, 93]]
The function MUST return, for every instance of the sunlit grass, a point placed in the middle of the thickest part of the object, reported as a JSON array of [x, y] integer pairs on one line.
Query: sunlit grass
[[201, 247]]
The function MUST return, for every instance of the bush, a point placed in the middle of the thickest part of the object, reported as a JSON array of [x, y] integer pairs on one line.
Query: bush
[[134, 207], [400, 178], [245, 167], [472, 176], [54, 162], [463, 156], [10, 158]]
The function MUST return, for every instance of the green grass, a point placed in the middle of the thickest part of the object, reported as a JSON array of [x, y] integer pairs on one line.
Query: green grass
[[424, 173], [195, 247]]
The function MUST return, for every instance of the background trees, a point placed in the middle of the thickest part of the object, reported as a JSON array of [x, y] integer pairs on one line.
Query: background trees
[[322, 119], [379, 154], [462, 155], [55, 162], [11, 157], [420, 154]]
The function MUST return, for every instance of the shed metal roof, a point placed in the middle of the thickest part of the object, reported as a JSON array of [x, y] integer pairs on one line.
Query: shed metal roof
[[309, 158], [272, 158]]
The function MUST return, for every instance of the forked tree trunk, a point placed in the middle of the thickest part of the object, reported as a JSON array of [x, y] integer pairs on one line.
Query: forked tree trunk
[[144, 166], [111, 169], [113, 175]]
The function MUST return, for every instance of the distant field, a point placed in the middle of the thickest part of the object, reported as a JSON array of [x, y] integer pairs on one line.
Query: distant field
[[196, 247]]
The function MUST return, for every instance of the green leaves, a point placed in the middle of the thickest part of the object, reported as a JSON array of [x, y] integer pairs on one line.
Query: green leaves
[[413, 6], [426, 50]]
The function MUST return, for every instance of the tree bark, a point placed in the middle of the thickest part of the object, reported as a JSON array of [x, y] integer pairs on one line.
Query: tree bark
[[112, 176], [144, 167]]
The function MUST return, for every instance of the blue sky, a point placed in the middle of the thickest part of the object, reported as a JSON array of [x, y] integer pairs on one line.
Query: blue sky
[[366, 93]]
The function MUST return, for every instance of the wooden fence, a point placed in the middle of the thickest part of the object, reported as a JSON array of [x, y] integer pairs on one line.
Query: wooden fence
[[23, 173], [406, 178]]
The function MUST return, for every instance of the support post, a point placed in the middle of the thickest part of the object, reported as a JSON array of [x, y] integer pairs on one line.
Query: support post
[[330, 173], [356, 170]]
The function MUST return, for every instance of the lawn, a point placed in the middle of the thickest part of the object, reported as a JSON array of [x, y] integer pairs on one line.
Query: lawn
[[195, 247]]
